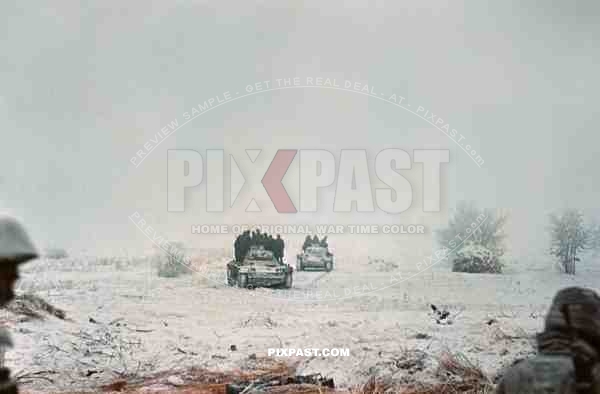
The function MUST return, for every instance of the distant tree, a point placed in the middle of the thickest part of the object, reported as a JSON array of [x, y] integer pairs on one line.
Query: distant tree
[[594, 236], [474, 239], [56, 253], [569, 236], [172, 260]]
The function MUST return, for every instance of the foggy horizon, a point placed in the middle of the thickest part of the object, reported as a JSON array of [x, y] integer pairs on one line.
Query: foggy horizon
[[498, 75]]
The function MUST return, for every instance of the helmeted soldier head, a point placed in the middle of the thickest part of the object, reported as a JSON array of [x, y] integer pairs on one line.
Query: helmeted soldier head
[[568, 349], [575, 310], [16, 248]]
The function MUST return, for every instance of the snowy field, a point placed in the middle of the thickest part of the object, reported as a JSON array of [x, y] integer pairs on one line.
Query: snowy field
[[127, 321]]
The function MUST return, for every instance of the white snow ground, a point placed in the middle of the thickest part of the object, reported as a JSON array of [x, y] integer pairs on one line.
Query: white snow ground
[[142, 323]]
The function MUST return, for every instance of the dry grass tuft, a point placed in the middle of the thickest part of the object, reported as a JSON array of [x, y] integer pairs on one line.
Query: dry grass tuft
[[202, 381], [31, 306], [456, 372]]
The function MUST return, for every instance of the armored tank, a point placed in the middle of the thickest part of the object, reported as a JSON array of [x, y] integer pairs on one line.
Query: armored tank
[[315, 257], [259, 268]]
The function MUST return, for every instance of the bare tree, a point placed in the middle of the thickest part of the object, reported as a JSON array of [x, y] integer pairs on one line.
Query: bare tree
[[569, 236]]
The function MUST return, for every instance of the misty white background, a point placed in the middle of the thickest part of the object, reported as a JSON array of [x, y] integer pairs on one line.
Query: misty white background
[[82, 88]]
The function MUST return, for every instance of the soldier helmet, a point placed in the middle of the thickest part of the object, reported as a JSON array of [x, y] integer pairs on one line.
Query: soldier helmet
[[583, 308], [15, 244]]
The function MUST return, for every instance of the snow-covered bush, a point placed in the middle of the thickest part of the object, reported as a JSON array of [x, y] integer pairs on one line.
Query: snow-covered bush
[[172, 261], [474, 239], [478, 259]]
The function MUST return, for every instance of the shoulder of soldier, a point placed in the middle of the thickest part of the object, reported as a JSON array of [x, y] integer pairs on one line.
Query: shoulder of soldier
[[540, 372]]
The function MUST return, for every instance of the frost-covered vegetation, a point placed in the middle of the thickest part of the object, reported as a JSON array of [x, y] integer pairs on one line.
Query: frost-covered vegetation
[[474, 239], [173, 261], [570, 235], [476, 258]]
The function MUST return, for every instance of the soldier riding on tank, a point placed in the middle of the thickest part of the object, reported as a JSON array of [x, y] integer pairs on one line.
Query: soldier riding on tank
[[324, 242], [279, 248], [237, 248], [307, 242]]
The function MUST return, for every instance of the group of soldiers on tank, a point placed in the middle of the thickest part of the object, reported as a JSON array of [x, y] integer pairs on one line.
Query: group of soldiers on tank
[[247, 239], [314, 241]]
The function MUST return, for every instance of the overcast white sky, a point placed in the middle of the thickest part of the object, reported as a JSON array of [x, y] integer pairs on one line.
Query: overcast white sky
[[83, 88]]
